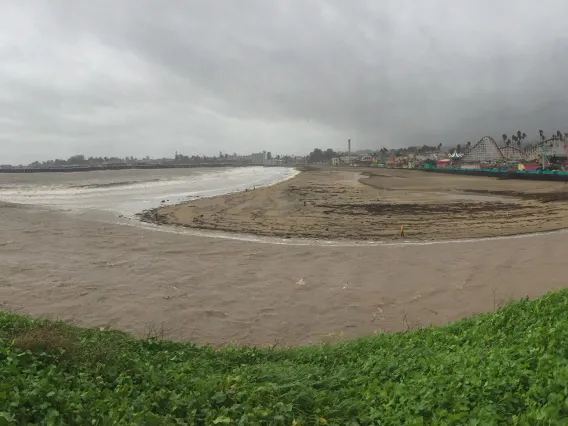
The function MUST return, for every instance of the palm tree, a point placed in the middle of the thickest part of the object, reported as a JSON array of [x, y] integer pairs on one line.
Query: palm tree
[[541, 133], [520, 137], [439, 146], [468, 145], [504, 137], [559, 135], [508, 142], [516, 140], [458, 148]]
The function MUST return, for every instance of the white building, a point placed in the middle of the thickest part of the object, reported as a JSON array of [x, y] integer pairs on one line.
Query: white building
[[259, 158]]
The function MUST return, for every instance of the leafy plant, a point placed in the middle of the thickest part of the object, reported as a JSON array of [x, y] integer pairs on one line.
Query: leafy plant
[[506, 367]]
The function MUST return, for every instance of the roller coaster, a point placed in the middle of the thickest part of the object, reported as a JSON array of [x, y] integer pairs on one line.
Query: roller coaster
[[488, 151]]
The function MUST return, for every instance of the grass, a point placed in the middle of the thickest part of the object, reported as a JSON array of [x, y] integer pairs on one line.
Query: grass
[[506, 367]]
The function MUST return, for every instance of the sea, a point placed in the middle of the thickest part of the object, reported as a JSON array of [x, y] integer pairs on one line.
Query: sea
[[128, 192]]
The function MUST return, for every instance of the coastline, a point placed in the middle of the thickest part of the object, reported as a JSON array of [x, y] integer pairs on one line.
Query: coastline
[[95, 273], [371, 205], [149, 215]]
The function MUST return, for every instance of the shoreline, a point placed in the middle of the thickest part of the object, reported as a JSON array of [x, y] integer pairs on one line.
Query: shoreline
[[319, 242], [94, 272], [149, 215], [339, 205]]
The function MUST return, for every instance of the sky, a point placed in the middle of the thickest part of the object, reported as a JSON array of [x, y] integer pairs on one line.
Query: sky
[[149, 77]]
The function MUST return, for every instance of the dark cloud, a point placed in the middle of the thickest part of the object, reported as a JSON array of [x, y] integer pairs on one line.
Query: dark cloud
[[145, 77]]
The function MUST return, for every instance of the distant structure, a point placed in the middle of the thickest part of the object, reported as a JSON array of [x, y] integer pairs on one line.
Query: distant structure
[[512, 153], [349, 150], [548, 148], [258, 157], [484, 151], [487, 151]]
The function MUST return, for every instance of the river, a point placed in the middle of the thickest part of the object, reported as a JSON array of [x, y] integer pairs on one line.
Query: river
[[66, 253]]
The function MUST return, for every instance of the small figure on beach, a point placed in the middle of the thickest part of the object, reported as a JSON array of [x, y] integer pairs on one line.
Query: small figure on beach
[[401, 231]]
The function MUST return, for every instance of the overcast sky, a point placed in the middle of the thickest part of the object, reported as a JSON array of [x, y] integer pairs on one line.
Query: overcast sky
[[141, 77]]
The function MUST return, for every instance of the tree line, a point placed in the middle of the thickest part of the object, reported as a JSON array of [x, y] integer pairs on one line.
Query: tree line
[[82, 160], [324, 156]]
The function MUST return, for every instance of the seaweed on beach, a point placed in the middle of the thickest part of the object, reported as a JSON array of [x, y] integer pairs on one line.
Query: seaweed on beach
[[418, 208]]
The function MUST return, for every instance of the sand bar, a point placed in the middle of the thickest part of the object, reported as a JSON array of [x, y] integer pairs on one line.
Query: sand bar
[[372, 204]]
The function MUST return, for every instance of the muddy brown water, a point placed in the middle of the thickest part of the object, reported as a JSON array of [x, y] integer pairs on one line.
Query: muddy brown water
[[89, 268]]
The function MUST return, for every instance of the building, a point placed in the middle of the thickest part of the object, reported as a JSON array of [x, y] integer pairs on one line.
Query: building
[[365, 159], [259, 157]]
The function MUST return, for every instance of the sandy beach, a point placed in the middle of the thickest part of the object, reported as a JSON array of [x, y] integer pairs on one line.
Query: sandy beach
[[372, 204]]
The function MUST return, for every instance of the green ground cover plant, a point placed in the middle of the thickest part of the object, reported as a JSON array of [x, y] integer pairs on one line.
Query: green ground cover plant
[[505, 367]]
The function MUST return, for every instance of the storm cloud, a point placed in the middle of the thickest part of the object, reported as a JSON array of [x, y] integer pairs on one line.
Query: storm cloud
[[141, 77]]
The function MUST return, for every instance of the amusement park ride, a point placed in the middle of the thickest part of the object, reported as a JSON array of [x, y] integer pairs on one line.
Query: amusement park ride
[[487, 151]]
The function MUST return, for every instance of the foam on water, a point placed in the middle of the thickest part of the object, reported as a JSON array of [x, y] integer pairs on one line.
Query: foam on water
[[131, 193]]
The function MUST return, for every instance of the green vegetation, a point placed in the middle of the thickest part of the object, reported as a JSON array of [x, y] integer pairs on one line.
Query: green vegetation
[[507, 367]]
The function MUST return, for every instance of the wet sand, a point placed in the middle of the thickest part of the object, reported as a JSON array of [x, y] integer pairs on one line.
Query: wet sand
[[372, 204], [78, 268]]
